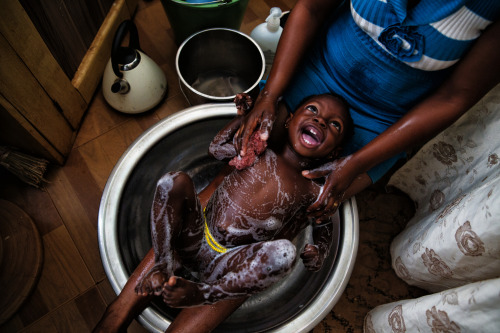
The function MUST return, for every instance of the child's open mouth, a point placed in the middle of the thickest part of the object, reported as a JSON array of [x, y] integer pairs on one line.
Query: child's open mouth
[[311, 136]]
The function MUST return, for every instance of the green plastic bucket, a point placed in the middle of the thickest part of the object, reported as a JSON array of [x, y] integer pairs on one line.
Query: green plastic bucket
[[188, 18]]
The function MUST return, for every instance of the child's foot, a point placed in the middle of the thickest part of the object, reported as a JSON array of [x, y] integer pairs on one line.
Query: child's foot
[[181, 293], [152, 283]]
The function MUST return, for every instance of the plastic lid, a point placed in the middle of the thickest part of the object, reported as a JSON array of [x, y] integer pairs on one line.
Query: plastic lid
[[273, 20]]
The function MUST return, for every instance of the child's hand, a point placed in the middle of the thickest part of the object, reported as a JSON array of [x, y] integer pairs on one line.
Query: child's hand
[[243, 103], [222, 146], [311, 258]]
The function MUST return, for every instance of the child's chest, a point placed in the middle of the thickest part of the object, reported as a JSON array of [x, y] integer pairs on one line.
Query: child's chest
[[256, 203]]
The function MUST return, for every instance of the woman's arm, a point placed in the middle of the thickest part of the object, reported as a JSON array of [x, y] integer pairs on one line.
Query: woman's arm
[[302, 26], [476, 74]]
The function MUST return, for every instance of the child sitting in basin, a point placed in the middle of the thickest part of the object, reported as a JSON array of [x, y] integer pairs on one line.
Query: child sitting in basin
[[240, 243]]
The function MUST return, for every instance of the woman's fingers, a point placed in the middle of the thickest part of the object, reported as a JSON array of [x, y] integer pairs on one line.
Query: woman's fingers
[[237, 137], [261, 117], [323, 212], [330, 197], [323, 199], [266, 126], [335, 202], [249, 127], [325, 195], [320, 172]]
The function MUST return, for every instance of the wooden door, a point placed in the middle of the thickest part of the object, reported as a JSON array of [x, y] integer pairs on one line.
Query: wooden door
[[41, 108]]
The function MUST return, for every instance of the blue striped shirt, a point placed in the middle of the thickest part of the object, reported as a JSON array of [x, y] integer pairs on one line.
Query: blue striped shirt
[[447, 28]]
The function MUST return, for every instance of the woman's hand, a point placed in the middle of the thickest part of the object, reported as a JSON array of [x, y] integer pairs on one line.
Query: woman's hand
[[339, 176], [261, 117], [303, 25]]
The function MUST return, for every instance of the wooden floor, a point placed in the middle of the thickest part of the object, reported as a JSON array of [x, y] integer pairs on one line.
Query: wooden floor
[[72, 291]]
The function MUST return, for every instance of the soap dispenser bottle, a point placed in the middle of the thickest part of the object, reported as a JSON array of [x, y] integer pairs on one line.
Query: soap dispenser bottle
[[267, 35]]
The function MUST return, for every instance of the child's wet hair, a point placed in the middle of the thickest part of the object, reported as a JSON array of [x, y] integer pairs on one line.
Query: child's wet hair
[[349, 123]]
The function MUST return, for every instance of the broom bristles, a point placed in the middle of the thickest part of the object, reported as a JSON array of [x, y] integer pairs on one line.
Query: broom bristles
[[27, 168]]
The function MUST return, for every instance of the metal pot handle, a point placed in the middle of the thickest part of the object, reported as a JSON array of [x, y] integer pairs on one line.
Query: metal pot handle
[[121, 32]]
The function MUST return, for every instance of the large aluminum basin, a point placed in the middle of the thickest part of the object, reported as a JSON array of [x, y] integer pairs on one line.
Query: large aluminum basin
[[180, 142]]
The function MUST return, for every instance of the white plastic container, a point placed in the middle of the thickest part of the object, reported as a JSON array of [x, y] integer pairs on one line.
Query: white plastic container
[[267, 35]]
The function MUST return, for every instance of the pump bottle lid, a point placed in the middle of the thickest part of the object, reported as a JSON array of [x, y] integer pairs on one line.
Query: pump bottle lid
[[273, 20]]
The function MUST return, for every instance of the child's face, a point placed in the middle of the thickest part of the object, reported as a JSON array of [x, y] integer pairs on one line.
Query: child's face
[[317, 127]]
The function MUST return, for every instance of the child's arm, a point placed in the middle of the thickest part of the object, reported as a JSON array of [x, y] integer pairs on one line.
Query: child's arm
[[222, 146], [314, 254]]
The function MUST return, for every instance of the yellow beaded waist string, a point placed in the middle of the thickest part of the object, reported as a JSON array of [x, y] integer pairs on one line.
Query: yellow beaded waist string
[[210, 239]]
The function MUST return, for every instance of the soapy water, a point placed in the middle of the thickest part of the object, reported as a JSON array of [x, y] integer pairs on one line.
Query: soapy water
[[219, 83]]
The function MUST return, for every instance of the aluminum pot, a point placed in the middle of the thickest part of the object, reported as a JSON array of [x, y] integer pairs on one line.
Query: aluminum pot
[[179, 142], [214, 65]]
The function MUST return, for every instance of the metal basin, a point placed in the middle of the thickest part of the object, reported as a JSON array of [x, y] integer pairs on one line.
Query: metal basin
[[180, 142]]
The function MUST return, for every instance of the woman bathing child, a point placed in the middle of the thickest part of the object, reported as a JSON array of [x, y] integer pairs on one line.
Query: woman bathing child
[[240, 243]]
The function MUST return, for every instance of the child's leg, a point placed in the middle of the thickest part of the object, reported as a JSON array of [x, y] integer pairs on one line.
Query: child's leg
[[120, 313], [176, 230], [128, 304], [238, 273]]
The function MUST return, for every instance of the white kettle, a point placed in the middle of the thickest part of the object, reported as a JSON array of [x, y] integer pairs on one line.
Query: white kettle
[[132, 81]]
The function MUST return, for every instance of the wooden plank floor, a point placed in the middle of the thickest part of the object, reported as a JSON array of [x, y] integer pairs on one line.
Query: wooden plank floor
[[73, 291]]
